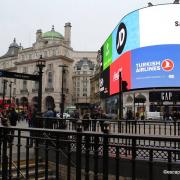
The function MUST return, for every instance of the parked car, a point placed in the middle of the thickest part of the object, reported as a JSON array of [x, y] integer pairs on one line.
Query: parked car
[[65, 115]]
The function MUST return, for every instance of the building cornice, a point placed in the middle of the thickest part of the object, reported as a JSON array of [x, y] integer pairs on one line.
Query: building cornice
[[11, 69], [30, 61]]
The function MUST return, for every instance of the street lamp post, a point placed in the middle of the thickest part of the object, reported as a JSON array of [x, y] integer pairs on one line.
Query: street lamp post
[[120, 95], [62, 91], [40, 64], [10, 91], [4, 87]]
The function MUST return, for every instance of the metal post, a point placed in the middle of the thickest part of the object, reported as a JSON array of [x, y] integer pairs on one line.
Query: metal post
[[134, 105], [4, 93], [40, 64], [40, 91], [62, 94], [120, 95], [62, 91], [10, 86]]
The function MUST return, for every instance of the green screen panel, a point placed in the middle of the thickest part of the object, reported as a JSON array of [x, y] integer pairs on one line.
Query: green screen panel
[[107, 53]]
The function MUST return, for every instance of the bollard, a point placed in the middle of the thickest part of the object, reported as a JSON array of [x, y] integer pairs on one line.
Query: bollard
[[79, 126], [106, 127]]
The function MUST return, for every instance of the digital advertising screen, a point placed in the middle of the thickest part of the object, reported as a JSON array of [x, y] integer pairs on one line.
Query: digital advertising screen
[[156, 66], [155, 25], [123, 65], [104, 84], [145, 48]]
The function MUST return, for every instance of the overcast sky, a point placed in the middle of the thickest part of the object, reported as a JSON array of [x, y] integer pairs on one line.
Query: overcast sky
[[92, 20]]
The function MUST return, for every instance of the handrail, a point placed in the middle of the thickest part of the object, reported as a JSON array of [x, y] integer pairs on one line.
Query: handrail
[[60, 149], [14, 164]]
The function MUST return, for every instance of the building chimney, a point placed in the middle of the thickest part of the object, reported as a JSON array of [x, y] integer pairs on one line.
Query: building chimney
[[67, 33], [38, 34]]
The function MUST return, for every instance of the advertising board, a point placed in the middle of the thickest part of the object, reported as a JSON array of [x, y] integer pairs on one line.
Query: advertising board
[[150, 26], [145, 47]]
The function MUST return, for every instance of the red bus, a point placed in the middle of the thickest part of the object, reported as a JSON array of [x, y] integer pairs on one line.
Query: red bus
[[7, 103]]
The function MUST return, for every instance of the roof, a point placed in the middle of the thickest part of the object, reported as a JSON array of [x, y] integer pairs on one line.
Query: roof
[[12, 51], [52, 34], [85, 61]]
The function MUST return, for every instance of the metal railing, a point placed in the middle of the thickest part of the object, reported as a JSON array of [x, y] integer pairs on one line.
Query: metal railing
[[142, 127], [87, 155]]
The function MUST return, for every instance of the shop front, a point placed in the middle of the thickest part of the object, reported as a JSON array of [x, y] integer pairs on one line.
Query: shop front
[[165, 102]]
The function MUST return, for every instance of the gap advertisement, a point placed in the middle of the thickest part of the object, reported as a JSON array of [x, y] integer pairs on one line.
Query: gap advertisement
[[148, 67]]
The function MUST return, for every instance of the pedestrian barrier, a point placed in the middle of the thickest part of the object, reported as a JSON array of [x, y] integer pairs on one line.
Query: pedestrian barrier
[[90, 155]]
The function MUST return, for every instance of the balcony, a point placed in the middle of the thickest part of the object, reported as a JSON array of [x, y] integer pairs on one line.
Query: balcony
[[49, 89], [34, 90], [24, 91]]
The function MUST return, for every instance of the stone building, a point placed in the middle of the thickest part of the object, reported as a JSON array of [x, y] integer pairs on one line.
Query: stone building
[[56, 50]]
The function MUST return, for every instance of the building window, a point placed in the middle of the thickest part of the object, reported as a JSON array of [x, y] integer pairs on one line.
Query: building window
[[45, 53], [24, 69], [50, 80], [36, 85], [49, 66], [24, 84], [30, 56], [78, 84], [54, 52]]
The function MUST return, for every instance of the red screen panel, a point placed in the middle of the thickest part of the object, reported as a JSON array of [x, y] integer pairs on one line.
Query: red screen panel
[[123, 64]]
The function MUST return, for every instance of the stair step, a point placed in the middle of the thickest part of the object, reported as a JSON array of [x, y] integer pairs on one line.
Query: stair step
[[41, 171]]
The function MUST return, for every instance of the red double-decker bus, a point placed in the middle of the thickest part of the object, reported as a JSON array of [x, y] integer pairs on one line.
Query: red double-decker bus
[[7, 103]]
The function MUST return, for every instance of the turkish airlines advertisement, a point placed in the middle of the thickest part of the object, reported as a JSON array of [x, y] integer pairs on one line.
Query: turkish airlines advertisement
[[156, 66], [155, 25]]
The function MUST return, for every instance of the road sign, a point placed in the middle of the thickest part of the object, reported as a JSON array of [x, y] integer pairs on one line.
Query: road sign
[[19, 75]]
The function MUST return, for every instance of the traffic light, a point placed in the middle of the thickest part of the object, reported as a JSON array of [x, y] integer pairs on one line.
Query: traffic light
[[124, 86]]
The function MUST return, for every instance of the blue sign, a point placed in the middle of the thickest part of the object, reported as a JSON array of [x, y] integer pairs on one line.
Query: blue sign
[[156, 66], [131, 23]]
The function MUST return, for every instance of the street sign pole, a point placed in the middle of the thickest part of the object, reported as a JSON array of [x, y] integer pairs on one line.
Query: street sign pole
[[120, 95]]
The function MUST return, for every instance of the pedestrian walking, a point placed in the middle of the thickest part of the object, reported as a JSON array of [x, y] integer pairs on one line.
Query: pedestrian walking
[[13, 117]]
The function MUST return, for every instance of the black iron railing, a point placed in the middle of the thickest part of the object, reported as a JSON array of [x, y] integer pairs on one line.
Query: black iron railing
[[142, 127], [87, 155]]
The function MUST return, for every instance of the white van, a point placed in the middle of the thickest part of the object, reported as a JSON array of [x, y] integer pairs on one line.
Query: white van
[[154, 115]]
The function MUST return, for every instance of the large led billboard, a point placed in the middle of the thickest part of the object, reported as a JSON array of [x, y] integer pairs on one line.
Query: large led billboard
[[154, 25], [145, 47]]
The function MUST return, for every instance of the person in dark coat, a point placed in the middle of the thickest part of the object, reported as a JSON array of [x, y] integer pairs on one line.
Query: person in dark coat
[[13, 117]]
